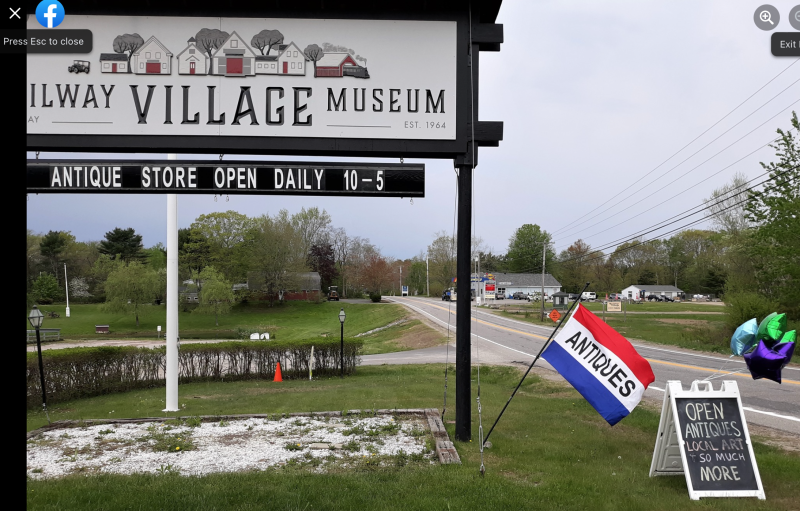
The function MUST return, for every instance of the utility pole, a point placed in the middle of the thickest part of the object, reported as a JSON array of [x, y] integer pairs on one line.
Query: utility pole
[[427, 277], [544, 251]]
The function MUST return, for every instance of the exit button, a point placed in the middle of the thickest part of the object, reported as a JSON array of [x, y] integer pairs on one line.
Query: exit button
[[786, 44]]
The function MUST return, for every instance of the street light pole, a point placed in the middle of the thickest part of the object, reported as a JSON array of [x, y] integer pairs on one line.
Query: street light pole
[[35, 318]]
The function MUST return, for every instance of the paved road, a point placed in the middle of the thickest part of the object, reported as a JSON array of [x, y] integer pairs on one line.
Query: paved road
[[504, 340]]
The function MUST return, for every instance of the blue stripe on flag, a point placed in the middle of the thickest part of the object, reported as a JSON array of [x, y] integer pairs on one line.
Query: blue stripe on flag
[[585, 382]]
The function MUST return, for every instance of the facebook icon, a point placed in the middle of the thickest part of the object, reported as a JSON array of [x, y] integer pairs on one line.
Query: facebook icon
[[49, 13]]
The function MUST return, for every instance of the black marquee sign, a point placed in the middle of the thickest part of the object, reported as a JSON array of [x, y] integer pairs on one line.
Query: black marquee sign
[[227, 177]]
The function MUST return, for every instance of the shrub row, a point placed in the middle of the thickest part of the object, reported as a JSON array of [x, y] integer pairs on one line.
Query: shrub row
[[74, 373]]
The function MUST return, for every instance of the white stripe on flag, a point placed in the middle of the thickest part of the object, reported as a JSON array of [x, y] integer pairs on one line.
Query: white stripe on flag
[[606, 367]]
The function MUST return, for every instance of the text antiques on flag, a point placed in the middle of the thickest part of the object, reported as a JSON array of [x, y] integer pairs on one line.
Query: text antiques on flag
[[601, 364]]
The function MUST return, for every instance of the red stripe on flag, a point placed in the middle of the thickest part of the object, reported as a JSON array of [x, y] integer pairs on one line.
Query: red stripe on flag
[[614, 341]]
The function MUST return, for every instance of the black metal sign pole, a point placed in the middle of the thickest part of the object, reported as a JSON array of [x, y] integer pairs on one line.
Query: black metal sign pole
[[463, 277], [577, 300]]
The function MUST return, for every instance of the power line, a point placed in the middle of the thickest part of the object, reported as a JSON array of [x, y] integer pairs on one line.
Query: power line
[[697, 166], [602, 255], [683, 191], [656, 227], [693, 140]]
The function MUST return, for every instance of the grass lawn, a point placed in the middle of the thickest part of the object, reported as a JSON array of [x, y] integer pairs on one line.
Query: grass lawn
[[294, 320], [551, 451]]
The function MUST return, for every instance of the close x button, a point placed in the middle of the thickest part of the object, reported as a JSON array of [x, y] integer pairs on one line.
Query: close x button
[[786, 44]]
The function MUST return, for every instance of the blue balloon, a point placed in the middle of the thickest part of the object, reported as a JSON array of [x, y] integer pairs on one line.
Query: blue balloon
[[744, 337]]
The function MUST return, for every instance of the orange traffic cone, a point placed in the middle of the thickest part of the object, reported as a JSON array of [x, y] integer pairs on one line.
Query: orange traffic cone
[[278, 376]]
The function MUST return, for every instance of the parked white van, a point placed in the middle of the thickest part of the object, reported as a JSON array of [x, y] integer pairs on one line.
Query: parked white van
[[588, 295]]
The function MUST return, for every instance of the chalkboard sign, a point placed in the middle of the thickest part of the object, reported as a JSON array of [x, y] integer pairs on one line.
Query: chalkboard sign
[[703, 435]]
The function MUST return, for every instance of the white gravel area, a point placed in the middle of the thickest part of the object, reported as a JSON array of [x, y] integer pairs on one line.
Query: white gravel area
[[226, 446]]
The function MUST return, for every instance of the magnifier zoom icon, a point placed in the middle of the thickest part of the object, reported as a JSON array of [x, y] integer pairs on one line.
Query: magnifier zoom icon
[[766, 17]]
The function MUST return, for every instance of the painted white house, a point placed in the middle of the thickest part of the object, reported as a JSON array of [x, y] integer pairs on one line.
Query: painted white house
[[291, 60], [288, 60], [152, 58], [192, 60], [234, 58], [642, 291], [113, 63], [266, 64]]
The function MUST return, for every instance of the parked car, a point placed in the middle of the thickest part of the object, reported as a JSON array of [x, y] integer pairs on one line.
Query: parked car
[[665, 298], [499, 296], [534, 297], [655, 298], [519, 295], [588, 295], [616, 296]]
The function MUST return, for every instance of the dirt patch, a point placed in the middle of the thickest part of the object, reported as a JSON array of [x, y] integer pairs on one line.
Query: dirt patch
[[419, 336], [774, 438], [690, 322]]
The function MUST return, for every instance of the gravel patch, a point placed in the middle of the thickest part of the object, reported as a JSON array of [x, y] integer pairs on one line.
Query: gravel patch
[[198, 448]]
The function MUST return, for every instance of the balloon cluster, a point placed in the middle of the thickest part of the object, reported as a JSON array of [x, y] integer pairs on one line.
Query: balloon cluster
[[766, 347]]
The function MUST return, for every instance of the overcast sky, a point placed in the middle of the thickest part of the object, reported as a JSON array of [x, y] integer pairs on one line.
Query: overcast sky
[[593, 96]]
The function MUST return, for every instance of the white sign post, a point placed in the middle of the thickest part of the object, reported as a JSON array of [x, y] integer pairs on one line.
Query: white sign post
[[703, 435]]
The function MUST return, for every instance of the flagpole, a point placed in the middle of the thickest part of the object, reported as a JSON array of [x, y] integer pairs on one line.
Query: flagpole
[[484, 440]]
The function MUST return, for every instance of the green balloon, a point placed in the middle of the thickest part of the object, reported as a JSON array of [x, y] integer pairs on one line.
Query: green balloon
[[772, 327], [790, 336]]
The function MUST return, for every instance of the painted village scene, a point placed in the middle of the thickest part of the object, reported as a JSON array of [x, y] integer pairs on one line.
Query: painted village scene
[[216, 52]]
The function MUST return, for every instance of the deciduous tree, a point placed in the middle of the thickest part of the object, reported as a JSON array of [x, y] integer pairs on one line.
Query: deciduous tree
[[132, 288], [216, 295]]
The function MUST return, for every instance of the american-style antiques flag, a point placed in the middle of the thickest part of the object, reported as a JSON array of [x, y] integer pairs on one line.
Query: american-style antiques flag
[[601, 364]]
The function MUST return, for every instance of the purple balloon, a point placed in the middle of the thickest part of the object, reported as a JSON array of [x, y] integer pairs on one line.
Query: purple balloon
[[767, 360]]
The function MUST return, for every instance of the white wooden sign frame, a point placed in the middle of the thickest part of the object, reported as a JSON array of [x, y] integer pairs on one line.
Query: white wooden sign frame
[[669, 455]]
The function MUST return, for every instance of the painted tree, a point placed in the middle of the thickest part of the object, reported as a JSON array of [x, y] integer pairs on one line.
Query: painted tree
[[132, 289], [313, 53], [124, 244], [128, 43], [216, 295], [210, 40], [269, 39]]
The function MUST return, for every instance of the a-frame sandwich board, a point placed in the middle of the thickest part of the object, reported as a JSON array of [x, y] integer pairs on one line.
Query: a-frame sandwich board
[[703, 434]]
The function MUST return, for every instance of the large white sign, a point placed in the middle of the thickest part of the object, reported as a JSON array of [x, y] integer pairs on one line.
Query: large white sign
[[249, 77]]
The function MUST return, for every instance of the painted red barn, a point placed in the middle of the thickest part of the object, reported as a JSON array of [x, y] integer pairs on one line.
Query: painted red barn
[[337, 64]]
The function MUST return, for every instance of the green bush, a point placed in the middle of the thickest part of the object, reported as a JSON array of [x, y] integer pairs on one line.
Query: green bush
[[74, 373], [743, 306], [375, 297]]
